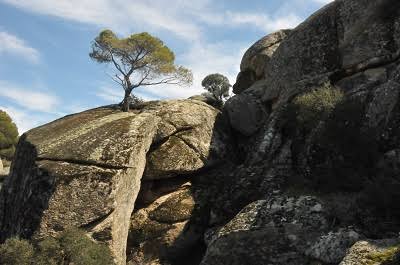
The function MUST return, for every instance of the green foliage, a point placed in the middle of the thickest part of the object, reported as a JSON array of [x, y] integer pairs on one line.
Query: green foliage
[[7, 153], [49, 252], [139, 60], [217, 86], [16, 251], [385, 256], [80, 250], [315, 106], [8, 136], [71, 247]]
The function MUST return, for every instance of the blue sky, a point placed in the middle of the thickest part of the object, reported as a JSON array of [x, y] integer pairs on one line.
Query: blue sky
[[45, 71]]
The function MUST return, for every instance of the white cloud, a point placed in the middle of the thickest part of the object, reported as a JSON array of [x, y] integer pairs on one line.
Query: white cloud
[[110, 94], [264, 22], [184, 19], [32, 100], [323, 1], [11, 44], [119, 14]]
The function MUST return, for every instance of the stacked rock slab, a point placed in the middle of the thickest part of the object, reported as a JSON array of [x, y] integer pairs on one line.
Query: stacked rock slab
[[186, 141], [256, 59], [85, 170]]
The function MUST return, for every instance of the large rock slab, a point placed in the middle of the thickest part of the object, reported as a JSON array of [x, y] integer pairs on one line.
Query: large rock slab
[[191, 135], [84, 171], [161, 233]]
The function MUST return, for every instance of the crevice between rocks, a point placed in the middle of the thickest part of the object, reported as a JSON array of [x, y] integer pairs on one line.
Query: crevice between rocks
[[96, 221], [160, 142], [371, 63], [83, 163]]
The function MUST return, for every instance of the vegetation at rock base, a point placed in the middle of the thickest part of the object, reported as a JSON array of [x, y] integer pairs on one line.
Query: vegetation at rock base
[[383, 257], [139, 60], [71, 247], [16, 251], [217, 86], [8, 136]]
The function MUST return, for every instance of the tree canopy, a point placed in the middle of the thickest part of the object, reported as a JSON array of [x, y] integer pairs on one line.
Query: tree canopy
[[139, 60], [217, 86], [8, 136]]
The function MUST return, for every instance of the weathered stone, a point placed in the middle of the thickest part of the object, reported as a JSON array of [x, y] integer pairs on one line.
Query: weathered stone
[[246, 113], [256, 59], [78, 172], [268, 232], [161, 230], [185, 142], [85, 170], [373, 252], [331, 248]]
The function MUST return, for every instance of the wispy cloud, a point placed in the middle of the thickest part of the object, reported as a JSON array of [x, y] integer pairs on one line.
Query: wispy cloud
[[109, 94], [185, 19], [32, 100], [323, 1], [262, 21], [11, 44], [119, 14]]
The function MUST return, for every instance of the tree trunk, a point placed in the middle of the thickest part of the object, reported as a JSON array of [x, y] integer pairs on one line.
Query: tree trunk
[[125, 103], [128, 91]]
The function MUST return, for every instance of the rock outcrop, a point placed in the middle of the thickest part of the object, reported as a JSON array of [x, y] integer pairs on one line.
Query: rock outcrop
[[85, 170], [342, 147], [301, 166], [256, 59]]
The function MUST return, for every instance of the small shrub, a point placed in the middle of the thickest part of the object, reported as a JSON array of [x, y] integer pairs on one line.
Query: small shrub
[[314, 106], [16, 251], [72, 247], [383, 257], [49, 252], [8, 153], [8, 136], [81, 250]]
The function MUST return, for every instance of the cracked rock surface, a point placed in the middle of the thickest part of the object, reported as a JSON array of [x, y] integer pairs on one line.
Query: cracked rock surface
[[85, 170]]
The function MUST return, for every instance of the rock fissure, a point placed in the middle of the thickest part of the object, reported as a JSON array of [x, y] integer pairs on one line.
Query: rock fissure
[[83, 163], [160, 142], [371, 63]]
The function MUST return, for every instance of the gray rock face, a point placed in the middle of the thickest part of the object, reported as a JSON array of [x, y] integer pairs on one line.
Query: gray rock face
[[256, 59], [331, 248], [85, 170], [246, 112], [352, 45], [275, 231]]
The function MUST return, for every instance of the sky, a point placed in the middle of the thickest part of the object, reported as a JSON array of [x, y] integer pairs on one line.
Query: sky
[[46, 73]]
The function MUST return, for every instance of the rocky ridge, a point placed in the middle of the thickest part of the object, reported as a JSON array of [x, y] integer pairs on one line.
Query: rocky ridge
[[300, 167]]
